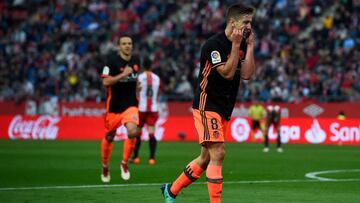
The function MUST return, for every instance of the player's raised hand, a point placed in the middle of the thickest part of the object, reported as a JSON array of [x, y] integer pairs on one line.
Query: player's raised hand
[[250, 39], [237, 35], [127, 71]]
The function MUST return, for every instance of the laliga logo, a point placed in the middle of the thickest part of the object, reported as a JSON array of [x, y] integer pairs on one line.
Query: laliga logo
[[315, 134], [240, 129], [44, 127]]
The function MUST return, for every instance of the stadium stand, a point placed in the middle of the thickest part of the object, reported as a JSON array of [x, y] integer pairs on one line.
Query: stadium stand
[[306, 49]]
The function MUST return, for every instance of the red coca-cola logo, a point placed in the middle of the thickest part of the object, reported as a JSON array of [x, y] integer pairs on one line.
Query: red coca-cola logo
[[39, 128]]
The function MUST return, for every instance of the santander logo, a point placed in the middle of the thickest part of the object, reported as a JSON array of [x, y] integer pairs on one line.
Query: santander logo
[[41, 128], [315, 134]]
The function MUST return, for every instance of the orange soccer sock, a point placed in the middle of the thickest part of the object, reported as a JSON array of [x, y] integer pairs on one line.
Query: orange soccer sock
[[215, 180], [129, 146], [191, 173], [106, 149]]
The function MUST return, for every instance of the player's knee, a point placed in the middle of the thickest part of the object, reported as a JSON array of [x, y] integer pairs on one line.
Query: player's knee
[[110, 136], [132, 129], [204, 161], [151, 129], [132, 132], [219, 154]]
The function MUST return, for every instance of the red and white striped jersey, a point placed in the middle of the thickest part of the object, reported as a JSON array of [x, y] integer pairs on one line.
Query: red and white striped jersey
[[273, 108], [273, 113], [149, 88]]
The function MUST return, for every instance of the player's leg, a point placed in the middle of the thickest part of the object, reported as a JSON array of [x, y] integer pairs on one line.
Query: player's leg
[[142, 121], [152, 144], [214, 171], [216, 150], [106, 149], [191, 173], [253, 129], [277, 126], [112, 122], [195, 168], [266, 137], [130, 120], [150, 120], [128, 148], [256, 130], [135, 159]]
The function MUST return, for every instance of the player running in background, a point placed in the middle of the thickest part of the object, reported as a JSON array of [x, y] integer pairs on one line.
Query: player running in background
[[120, 76], [148, 88], [273, 117], [226, 57], [256, 113]]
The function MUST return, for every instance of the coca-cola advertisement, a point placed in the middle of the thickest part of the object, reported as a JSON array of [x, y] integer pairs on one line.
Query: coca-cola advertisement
[[35, 128]]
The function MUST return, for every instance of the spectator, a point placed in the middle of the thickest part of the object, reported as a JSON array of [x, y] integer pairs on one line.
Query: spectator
[[60, 40]]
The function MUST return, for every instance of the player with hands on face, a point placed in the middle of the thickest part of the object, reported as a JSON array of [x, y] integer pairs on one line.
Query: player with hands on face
[[225, 59]]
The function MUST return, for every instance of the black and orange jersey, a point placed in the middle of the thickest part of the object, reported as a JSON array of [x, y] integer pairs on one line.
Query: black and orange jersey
[[213, 92], [122, 94]]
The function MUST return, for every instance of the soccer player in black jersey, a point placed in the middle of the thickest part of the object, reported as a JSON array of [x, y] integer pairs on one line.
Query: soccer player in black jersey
[[226, 58], [120, 77]]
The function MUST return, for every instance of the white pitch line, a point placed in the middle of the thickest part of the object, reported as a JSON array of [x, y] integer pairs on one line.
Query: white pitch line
[[159, 184], [313, 175]]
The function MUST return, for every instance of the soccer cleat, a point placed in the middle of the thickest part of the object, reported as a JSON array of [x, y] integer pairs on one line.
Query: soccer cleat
[[266, 149], [165, 190], [136, 160], [151, 161], [280, 149], [125, 173], [105, 175]]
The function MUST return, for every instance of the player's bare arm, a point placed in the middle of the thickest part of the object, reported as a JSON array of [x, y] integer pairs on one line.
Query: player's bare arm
[[112, 80], [228, 70], [248, 65]]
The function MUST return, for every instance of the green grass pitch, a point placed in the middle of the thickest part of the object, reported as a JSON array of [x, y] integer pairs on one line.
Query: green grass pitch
[[69, 171]]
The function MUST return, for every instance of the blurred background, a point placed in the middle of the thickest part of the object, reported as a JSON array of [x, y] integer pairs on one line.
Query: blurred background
[[305, 49]]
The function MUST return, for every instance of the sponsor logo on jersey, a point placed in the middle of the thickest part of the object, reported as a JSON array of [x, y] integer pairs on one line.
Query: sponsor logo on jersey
[[216, 134], [215, 57], [106, 70], [136, 68]]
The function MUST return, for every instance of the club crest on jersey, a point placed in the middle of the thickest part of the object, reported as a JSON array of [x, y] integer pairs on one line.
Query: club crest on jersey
[[215, 57], [216, 134], [136, 67]]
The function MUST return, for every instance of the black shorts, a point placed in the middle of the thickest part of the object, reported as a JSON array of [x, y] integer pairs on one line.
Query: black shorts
[[274, 122], [255, 124]]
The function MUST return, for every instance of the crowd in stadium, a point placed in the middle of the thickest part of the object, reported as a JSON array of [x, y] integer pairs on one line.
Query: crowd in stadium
[[305, 49]]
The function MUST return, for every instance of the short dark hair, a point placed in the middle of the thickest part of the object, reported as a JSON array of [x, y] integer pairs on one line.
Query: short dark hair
[[122, 36], [237, 10], [147, 63]]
